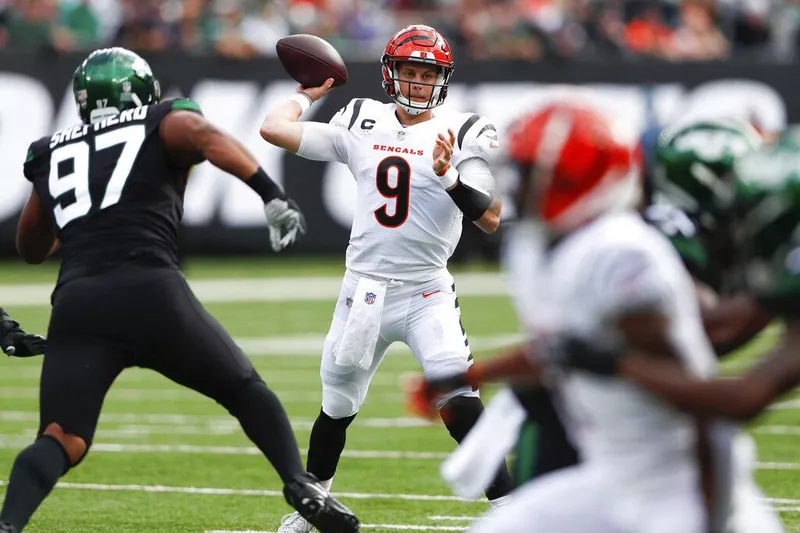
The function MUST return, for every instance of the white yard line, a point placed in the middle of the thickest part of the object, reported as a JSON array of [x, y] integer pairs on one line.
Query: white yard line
[[118, 394], [252, 492], [292, 289], [206, 421], [783, 501], [777, 466], [778, 430], [311, 345], [786, 405], [232, 427], [18, 441], [401, 527], [780, 502], [17, 375]]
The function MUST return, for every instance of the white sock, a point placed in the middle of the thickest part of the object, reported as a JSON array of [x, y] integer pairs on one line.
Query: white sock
[[501, 501], [327, 484]]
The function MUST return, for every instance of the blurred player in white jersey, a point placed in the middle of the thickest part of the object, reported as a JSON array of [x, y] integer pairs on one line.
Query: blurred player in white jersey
[[607, 276], [419, 170]]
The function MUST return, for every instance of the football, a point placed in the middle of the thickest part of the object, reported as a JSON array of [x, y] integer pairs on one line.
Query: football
[[311, 60]]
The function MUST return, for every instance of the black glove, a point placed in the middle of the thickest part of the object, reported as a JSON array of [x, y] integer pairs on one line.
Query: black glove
[[571, 352], [15, 342]]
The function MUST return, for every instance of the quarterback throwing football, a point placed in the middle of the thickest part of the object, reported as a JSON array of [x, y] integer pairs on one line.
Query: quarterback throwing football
[[419, 170]]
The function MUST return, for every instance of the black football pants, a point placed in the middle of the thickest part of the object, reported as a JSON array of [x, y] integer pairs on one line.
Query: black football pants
[[132, 316]]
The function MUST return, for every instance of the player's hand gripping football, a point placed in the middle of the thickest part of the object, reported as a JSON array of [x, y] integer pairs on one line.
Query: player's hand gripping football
[[443, 152], [315, 93], [15, 342], [285, 222]]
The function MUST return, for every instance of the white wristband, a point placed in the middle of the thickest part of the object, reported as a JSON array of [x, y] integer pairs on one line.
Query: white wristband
[[449, 178], [303, 100]]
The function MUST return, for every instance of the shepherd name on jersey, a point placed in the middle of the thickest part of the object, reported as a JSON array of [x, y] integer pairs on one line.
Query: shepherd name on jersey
[[406, 226], [113, 193], [619, 264]]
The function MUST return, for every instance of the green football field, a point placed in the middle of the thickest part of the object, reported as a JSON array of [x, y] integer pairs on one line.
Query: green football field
[[169, 460]]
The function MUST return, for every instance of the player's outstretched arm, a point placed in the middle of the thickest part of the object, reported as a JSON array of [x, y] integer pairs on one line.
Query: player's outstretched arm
[[191, 139], [423, 394], [36, 238], [281, 126], [739, 398], [742, 398]]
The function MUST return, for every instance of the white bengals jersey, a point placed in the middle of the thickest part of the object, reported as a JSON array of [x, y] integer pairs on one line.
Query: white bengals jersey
[[406, 226], [619, 263]]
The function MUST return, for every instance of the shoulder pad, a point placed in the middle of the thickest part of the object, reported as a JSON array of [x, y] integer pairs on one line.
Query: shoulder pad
[[477, 137], [348, 116]]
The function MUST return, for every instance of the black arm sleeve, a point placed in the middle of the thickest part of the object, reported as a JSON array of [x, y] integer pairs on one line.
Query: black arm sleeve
[[472, 202]]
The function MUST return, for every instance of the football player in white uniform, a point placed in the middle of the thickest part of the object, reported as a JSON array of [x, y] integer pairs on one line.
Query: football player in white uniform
[[610, 278], [419, 170]]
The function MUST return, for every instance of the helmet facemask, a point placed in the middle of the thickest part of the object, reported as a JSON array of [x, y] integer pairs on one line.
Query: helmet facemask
[[417, 44], [393, 79]]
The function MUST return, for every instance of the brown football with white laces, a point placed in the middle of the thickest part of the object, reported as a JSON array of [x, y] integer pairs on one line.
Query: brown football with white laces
[[311, 60]]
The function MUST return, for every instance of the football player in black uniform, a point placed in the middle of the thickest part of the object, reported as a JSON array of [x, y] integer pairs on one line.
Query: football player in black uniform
[[110, 191], [15, 342]]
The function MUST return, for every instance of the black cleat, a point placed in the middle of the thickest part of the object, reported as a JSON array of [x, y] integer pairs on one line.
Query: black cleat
[[316, 505], [7, 528]]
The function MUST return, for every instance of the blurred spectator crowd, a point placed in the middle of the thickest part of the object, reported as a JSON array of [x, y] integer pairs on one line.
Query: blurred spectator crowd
[[674, 30]]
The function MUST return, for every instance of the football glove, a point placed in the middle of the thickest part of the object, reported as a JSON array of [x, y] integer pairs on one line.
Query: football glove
[[572, 352], [421, 399], [15, 342], [285, 222], [423, 394]]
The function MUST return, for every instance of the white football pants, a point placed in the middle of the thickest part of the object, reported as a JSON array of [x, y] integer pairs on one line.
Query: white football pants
[[424, 316], [581, 499]]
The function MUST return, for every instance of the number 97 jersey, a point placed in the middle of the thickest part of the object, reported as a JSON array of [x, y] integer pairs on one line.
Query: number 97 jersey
[[112, 190], [405, 226]]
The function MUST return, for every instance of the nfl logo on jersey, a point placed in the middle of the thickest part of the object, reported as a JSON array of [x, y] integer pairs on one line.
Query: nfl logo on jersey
[[369, 298]]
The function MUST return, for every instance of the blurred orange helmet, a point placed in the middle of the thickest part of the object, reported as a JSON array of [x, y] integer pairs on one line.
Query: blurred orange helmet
[[581, 164]]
